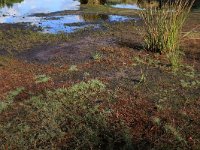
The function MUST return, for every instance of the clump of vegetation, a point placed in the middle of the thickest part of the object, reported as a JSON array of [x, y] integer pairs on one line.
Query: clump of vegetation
[[82, 88], [162, 28], [97, 56], [73, 68], [11, 96], [42, 78]]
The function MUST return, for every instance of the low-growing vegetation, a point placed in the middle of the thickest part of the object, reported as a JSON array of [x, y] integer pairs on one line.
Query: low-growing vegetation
[[101, 88], [16, 40]]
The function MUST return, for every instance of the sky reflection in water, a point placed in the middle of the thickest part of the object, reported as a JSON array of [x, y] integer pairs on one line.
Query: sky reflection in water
[[20, 13]]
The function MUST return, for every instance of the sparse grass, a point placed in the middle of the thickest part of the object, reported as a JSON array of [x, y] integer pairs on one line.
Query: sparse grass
[[18, 40], [3, 105], [14, 93], [9, 100], [3, 61], [173, 131]]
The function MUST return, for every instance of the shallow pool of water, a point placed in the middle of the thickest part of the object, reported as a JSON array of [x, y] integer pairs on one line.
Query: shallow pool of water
[[20, 11], [71, 23], [67, 23]]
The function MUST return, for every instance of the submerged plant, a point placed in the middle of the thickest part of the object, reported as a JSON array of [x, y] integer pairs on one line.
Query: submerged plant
[[162, 28]]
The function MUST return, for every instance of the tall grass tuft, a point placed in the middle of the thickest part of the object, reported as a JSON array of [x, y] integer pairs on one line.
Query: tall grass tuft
[[162, 28]]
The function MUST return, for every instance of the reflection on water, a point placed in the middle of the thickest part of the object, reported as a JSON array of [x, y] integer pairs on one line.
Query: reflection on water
[[126, 6], [133, 4], [196, 4], [137, 4], [41, 6], [27, 7], [93, 2], [71, 23], [67, 23], [149, 4], [9, 3], [94, 17]]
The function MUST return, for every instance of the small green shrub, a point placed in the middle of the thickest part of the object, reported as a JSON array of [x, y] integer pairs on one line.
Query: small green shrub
[[42, 79], [14, 93], [87, 89], [3, 105], [11, 96]]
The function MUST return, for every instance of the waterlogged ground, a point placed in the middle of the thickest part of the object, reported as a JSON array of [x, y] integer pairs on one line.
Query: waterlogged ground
[[96, 88]]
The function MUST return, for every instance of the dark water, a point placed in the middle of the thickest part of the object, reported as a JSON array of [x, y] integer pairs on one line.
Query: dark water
[[20, 11]]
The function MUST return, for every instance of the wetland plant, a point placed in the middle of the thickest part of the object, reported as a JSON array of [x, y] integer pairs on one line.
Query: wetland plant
[[162, 29]]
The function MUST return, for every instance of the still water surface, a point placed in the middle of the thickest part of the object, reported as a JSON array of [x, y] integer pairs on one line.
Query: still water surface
[[20, 11]]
